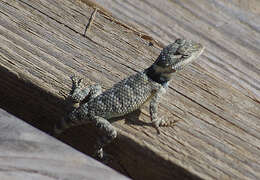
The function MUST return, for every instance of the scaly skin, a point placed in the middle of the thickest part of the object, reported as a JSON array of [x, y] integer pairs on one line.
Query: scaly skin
[[129, 94]]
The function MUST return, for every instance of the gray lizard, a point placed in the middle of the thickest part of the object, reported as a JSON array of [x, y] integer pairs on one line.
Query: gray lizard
[[129, 94]]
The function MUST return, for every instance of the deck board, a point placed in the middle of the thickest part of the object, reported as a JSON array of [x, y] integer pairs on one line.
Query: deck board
[[215, 101], [28, 153], [229, 29]]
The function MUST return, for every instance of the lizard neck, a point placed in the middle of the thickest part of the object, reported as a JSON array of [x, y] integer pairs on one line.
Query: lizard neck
[[156, 76]]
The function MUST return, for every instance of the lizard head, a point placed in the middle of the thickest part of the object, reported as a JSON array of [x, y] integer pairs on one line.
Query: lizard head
[[177, 55], [174, 57]]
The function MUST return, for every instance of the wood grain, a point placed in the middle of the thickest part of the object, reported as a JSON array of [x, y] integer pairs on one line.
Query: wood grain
[[229, 29], [218, 137], [28, 153]]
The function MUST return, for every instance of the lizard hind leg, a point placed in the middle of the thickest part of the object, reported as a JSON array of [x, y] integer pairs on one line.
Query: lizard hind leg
[[110, 134]]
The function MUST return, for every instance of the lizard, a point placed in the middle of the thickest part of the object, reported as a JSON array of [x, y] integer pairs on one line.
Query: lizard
[[129, 94]]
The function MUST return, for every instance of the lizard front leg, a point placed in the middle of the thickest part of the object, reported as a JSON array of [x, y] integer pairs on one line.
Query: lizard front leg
[[76, 98], [78, 94], [154, 111], [156, 121]]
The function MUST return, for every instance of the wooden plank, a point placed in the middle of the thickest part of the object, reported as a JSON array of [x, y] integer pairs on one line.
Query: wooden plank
[[42, 44], [28, 153], [229, 29]]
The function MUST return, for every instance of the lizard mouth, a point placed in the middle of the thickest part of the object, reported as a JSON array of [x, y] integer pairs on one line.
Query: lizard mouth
[[186, 54], [177, 55], [174, 57]]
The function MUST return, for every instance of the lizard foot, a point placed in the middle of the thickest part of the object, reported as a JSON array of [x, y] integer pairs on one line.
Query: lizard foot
[[163, 122], [103, 157]]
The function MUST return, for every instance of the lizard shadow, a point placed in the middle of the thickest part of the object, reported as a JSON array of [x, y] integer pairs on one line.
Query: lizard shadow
[[133, 119]]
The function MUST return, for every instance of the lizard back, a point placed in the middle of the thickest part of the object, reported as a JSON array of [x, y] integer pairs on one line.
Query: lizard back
[[122, 98]]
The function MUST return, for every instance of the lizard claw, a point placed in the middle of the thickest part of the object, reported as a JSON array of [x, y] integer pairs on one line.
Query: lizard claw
[[167, 123], [103, 157], [62, 93], [76, 81], [163, 122], [99, 153]]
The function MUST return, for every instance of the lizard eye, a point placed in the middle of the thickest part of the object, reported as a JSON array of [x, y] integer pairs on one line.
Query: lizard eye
[[185, 55], [181, 54]]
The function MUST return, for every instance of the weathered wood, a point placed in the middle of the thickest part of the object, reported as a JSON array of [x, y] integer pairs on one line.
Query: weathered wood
[[229, 29], [27, 153], [42, 44]]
